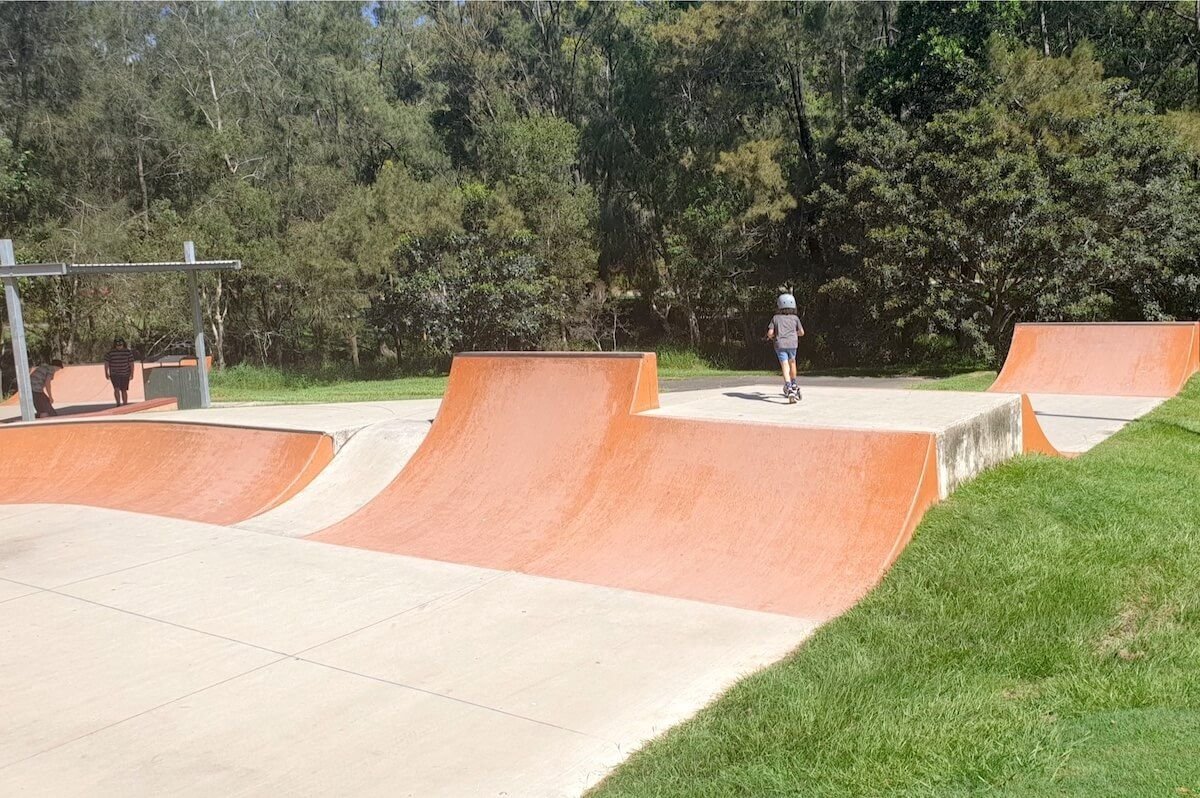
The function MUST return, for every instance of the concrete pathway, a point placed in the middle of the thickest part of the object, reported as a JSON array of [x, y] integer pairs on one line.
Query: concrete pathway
[[708, 383], [338, 420], [1075, 423], [363, 467], [165, 657], [854, 408]]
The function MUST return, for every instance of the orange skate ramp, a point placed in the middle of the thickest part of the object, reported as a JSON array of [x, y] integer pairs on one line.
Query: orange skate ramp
[[540, 464], [1033, 437], [1120, 359], [85, 384], [196, 472]]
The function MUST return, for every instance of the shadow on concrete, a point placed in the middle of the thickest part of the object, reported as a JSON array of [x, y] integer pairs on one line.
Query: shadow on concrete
[[65, 411], [758, 397], [99, 410]]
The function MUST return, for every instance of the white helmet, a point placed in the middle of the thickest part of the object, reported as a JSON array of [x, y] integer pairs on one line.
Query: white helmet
[[786, 302]]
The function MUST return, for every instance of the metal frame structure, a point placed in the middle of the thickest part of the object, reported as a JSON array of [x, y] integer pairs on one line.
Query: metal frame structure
[[10, 270]]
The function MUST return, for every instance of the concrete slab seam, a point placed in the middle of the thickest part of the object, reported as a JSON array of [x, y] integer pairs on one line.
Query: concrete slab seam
[[33, 589], [455, 699], [444, 599], [283, 655], [164, 558], [143, 712]]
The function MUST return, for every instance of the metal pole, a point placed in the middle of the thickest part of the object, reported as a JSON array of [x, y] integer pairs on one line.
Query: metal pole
[[17, 324], [189, 256]]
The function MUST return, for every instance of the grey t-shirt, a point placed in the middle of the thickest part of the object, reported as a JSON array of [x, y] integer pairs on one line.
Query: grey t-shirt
[[788, 330], [40, 376]]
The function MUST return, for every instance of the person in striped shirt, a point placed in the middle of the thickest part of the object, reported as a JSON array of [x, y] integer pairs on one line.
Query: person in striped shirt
[[118, 368], [39, 385]]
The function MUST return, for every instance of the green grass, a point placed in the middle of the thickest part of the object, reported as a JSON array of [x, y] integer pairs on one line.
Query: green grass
[[251, 384], [971, 381], [254, 384], [680, 364], [1039, 637]]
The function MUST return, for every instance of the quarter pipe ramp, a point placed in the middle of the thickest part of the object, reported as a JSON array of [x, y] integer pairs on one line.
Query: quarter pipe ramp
[[542, 464], [1104, 365], [197, 472], [1118, 359]]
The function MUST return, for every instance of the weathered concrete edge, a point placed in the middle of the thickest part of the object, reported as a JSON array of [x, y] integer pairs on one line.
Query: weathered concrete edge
[[972, 446]]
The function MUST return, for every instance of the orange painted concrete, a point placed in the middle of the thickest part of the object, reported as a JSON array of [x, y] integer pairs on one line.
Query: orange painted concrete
[[539, 464], [146, 406], [1147, 359], [1033, 437], [85, 384], [100, 410], [197, 472]]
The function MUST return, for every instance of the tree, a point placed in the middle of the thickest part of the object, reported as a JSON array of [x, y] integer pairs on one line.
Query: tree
[[1055, 197]]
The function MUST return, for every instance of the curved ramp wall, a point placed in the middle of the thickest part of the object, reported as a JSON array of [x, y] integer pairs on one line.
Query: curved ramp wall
[[1033, 437], [196, 472], [541, 464], [1117, 359]]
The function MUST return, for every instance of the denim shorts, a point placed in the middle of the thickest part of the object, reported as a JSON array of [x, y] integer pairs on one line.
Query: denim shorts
[[785, 355]]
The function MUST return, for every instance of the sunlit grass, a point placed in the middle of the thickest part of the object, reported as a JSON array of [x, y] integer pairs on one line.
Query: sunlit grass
[[1039, 637]]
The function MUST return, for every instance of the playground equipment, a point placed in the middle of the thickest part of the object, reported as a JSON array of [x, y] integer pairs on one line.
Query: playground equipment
[[10, 270]]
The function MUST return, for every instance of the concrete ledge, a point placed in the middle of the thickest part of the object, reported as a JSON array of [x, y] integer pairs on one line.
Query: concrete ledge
[[974, 431], [970, 447]]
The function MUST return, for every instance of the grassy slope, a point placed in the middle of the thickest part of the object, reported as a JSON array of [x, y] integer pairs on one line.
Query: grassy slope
[[248, 384], [1040, 636], [276, 389], [296, 391], [971, 381]]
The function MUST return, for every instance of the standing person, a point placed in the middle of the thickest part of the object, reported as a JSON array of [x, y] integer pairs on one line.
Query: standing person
[[785, 330], [39, 384], [118, 369]]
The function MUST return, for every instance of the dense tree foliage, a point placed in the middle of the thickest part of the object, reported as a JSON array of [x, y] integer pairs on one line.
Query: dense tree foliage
[[406, 180]]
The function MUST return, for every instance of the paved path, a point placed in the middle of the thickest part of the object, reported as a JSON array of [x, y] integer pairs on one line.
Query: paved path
[[707, 383], [159, 657], [1076, 423]]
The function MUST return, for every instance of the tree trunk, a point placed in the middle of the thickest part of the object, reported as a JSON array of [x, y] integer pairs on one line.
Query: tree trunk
[[141, 175], [220, 125], [219, 340], [24, 56], [352, 340], [1045, 37], [804, 134], [217, 313], [845, 94]]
